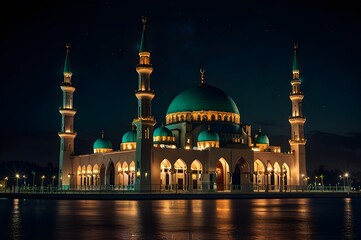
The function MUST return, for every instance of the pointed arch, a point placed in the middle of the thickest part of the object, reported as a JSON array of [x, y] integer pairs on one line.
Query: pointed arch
[[275, 179], [83, 176], [222, 175], [179, 174], [118, 173], [196, 169], [131, 174], [110, 174], [241, 177], [259, 169], [96, 175], [286, 176], [79, 177], [125, 175], [102, 175], [165, 174]]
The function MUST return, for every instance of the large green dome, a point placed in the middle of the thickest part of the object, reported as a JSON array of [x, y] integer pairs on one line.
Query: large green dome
[[203, 97], [130, 136], [103, 143]]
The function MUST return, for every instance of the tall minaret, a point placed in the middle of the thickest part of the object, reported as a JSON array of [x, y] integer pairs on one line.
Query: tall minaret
[[297, 121], [145, 121], [67, 133]]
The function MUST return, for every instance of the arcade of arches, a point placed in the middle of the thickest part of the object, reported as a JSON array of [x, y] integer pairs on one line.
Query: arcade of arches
[[180, 176]]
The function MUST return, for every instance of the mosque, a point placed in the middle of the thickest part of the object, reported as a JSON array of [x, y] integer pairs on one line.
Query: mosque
[[204, 146]]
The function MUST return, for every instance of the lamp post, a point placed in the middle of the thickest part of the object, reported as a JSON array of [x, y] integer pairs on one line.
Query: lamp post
[[6, 182], [316, 182], [42, 182], [53, 182], [346, 175], [321, 176], [17, 180]]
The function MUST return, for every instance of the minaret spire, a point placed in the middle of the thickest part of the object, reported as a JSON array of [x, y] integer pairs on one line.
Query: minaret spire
[[202, 71], [143, 41], [295, 65], [145, 121], [297, 121], [67, 133]]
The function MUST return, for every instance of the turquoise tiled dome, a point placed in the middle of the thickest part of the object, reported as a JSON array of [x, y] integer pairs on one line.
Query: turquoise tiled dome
[[103, 143], [130, 136], [208, 135], [203, 97], [261, 138], [162, 132]]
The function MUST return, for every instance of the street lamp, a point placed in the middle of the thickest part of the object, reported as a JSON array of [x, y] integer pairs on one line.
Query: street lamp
[[53, 181], [42, 182], [6, 182], [346, 175], [24, 177], [322, 180], [17, 180]]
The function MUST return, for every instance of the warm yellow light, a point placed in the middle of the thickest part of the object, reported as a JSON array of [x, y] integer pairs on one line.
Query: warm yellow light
[[17, 176], [42, 177]]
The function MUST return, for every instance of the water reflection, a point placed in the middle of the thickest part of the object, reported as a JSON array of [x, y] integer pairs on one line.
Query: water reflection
[[348, 221], [183, 219], [15, 225]]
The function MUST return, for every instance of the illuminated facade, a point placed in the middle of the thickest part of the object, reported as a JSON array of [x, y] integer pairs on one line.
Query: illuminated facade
[[204, 145]]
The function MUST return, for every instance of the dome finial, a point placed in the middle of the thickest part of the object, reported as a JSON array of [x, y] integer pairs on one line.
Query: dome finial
[[67, 59], [295, 65], [144, 20], [102, 133], [295, 46], [67, 46], [202, 71]]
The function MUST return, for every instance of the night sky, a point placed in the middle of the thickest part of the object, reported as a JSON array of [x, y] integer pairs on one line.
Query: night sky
[[245, 49]]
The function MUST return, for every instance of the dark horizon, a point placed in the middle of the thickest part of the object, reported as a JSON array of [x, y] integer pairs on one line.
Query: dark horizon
[[247, 52]]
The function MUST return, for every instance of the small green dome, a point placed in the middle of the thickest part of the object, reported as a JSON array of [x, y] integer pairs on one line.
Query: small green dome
[[261, 138], [203, 97], [207, 135], [103, 143], [162, 132], [130, 136]]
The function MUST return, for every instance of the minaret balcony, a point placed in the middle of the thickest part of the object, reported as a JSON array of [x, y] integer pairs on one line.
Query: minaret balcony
[[66, 87], [67, 111], [297, 119], [148, 69], [144, 94], [296, 96], [71, 135], [296, 81], [298, 141]]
